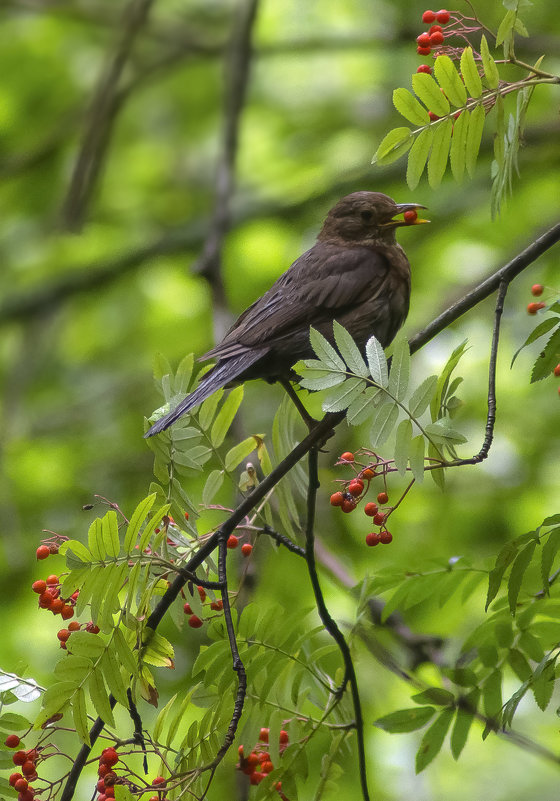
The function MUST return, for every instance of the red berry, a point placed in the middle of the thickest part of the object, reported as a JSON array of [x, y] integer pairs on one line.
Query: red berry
[[436, 38], [373, 538], [109, 792], [336, 499], [410, 216], [533, 308], [256, 778], [435, 28], [202, 593], [240, 751], [100, 786], [246, 549], [195, 622], [19, 757], [103, 769], [267, 767], [233, 541], [43, 551], [423, 51], [109, 756], [66, 612], [263, 735], [57, 605], [158, 780], [253, 758], [382, 497], [348, 505], [537, 290], [74, 626], [428, 16], [423, 40], [432, 116], [186, 515], [39, 586], [63, 635], [424, 68], [378, 518], [556, 370], [52, 580], [370, 509], [284, 737], [187, 609], [12, 741], [368, 473], [27, 795], [28, 768], [442, 16], [347, 456], [385, 537], [110, 778], [92, 628], [356, 487], [14, 777], [217, 605]]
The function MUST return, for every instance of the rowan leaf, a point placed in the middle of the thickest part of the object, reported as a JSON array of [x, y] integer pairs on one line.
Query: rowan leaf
[[548, 359], [450, 81], [427, 89], [405, 720], [393, 146], [138, 517], [383, 423], [212, 486], [364, 406], [474, 136], [377, 362], [422, 396], [520, 565], [542, 329], [416, 458], [440, 151], [433, 739], [402, 445], [400, 369], [224, 418], [344, 395], [410, 108], [458, 150], [325, 351], [469, 71], [490, 68], [349, 351], [418, 156]]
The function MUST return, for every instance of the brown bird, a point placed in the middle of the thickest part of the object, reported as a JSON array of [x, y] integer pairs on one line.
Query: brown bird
[[355, 273]]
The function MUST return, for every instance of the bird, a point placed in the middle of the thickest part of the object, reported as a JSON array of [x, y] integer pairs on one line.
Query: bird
[[355, 273]]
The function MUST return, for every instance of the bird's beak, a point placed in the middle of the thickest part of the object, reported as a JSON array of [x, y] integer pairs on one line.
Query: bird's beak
[[402, 207]]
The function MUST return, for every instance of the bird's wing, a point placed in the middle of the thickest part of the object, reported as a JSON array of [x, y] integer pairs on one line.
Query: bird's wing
[[324, 281]]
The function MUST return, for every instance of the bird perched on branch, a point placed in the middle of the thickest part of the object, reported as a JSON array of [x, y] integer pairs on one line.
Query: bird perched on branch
[[355, 273]]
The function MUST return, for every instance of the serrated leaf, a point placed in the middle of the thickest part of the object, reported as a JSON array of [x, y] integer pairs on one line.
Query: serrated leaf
[[490, 68], [403, 441], [405, 720], [463, 721], [383, 423], [138, 517], [325, 351], [437, 475], [113, 677], [505, 28], [363, 407], [208, 409], [433, 739], [79, 715], [449, 80], [344, 395], [124, 652], [224, 418], [239, 452], [407, 105], [149, 529], [469, 72], [458, 150], [422, 396], [492, 694], [83, 643], [110, 531], [440, 152], [543, 685], [418, 156], [349, 351], [76, 550], [212, 486], [429, 93], [441, 432], [548, 359], [393, 146], [520, 565], [474, 136], [416, 458], [315, 379], [434, 695], [100, 697], [503, 560], [400, 369], [519, 664], [377, 362], [549, 551], [542, 329], [95, 540]]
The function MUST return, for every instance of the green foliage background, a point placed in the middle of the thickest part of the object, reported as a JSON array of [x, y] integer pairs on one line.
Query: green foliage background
[[76, 370]]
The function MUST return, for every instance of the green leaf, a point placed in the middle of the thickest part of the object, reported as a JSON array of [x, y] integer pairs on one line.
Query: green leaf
[[138, 517], [224, 419], [505, 29], [543, 685], [449, 80], [548, 359], [149, 529], [542, 329], [490, 68], [405, 720], [344, 395], [463, 721], [393, 146], [469, 71], [75, 552], [549, 552], [458, 151], [433, 739], [363, 407], [184, 373], [437, 474], [100, 697], [418, 156], [325, 351], [402, 445], [383, 423], [125, 654], [122, 793], [492, 694], [377, 362], [208, 409], [422, 396], [400, 369], [440, 150], [441, 432], [503, 560], [95, 540], [110, 530], [407, 105], [79, 714], [443, 380], [434, 695], [520, 565], [83, 643], [317, 378], [212, 486], [519, 664], [416, 458], [112, 675], [349, 351], [429, 93], [239, 452], [474, 136]]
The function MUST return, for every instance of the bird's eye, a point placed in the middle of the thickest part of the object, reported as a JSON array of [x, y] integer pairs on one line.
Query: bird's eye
[[366, 215]]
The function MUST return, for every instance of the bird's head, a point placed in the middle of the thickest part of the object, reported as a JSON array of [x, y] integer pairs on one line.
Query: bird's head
[[367, 218]]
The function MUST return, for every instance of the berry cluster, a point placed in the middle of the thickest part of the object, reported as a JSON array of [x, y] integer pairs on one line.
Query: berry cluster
[[257, 765], [27, 762], [107, 777], [433, 37], [355, 490], [536, 292], [233, 542], [48, 591], [194, 621]]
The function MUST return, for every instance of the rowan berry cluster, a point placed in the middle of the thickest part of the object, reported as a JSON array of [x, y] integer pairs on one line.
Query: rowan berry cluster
[[27, 762], [105, 787], [536, 292], [194, 621], [48, 591], [355, 491], [433, 37], [257, 765], [233, 542], [49, 547]]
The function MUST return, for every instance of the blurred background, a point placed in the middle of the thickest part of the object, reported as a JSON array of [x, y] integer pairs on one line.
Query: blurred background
[[107, 188]]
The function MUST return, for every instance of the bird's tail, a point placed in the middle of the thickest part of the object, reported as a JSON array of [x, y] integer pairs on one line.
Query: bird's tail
[[221, 375]]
